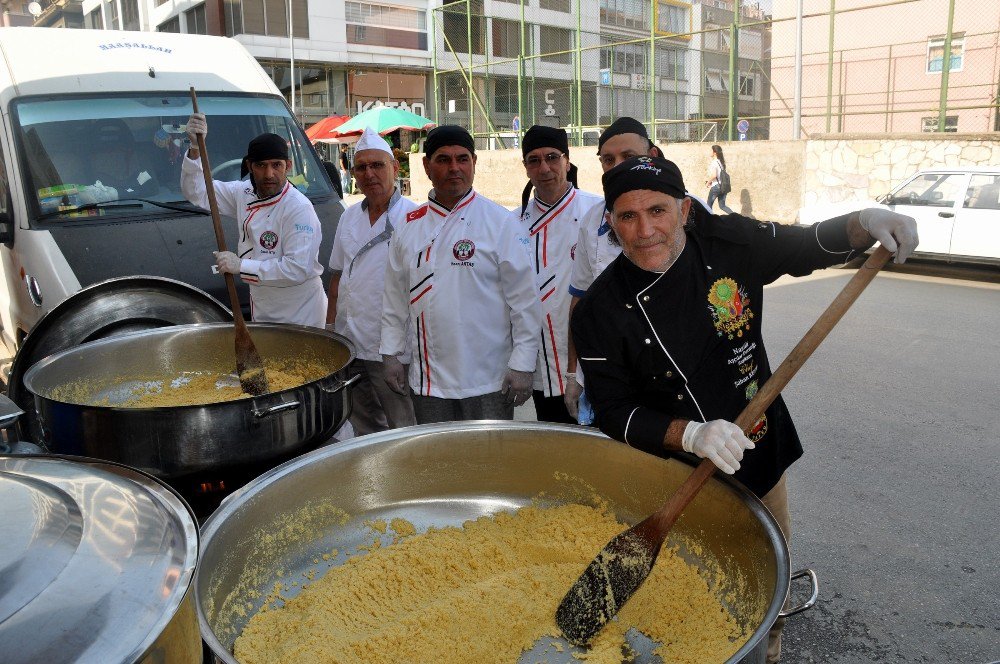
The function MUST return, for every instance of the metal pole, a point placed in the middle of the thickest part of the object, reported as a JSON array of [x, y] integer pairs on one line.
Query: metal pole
[[651, 103], [734, 74], [434, 63], [579, 76], [829, 67], [468, 34], [797, 112], [520, 80], [946, 69], [291, 55]]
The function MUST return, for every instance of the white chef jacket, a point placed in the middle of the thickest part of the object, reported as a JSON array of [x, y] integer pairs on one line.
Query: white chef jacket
[[279, 244], [360, 253], [553, 232], [462, 278], [594, 249]]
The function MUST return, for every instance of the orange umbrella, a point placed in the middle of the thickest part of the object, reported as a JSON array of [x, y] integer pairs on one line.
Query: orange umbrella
[[322, 129]]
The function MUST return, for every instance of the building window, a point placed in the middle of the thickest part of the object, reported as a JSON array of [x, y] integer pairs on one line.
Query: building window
[[95, 20], [625, 14], [624, 58], [455, 25], [931, 124], [173, 25], [555, 5], [716, 81], [111, 14], [506, 40], [670, 63], [505, 95], [195, 20], [748, 86], [130, 14], [384, 25], [157, 3], [672, 19], [555, 44], [716, 38], [266, 17], [935, 53]]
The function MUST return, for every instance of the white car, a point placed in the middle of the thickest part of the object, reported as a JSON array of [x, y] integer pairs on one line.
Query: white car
[[957, 212]]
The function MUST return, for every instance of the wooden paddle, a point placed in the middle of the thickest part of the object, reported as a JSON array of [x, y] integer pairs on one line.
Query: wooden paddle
[[249, 366], [625, 562]]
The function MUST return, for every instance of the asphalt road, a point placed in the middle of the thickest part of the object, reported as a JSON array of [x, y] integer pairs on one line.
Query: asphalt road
[[895, 504]]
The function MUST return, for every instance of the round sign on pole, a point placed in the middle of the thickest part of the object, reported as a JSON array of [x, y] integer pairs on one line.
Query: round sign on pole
[[743, 126]]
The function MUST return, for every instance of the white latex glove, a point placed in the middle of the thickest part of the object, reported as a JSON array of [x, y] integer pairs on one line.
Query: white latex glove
[[227, 261], [196, 125], [394, 373], [896, 232], [516, 386], [572, 393], [721, 441]]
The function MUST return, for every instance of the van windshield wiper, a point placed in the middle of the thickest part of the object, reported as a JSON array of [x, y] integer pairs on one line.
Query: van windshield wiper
[[126, 203]]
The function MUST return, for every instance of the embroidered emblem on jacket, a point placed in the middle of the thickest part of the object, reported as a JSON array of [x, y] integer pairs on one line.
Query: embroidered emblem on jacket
[[269, 240], [416, 214], [730, 308], [464, 250]]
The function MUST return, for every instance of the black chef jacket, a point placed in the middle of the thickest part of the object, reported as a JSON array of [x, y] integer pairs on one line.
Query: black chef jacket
[[687, 343]]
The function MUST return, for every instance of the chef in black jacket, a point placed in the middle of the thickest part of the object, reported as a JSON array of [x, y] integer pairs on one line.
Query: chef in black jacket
[[670, 334]]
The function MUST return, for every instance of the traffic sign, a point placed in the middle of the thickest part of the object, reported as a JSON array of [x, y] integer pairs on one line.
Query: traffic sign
[[743, 137], [605, 77], [743, 127]]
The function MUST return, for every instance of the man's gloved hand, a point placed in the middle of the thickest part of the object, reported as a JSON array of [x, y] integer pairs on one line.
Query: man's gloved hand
[[196, 125], [516, 386], [896, 232], [227, 261], [721, 441], [394, 373], [572, 393]]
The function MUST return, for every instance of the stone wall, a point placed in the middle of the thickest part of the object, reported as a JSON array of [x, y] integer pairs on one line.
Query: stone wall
[[771, 179]]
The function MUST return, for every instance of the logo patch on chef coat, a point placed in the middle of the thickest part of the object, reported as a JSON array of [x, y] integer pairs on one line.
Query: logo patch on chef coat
[[416, 214], [464, 250], [269, 240], [730, 308], [758, 430]]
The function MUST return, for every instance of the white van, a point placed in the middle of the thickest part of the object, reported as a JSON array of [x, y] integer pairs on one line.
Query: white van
[[91, 145]]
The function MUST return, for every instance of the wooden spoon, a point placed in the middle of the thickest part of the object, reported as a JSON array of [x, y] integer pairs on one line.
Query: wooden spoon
[[249, 366], [625, 562]]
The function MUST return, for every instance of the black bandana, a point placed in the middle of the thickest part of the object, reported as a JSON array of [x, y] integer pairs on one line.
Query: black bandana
[[652, 173], [446, 135], [265, 146], [545, 137], [623, 125]]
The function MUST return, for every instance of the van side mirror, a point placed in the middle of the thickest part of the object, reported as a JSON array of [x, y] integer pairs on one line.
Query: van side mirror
[[6, 229]]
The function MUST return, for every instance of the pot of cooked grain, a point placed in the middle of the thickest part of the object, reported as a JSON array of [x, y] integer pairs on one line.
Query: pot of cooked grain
[[167, 400], [456, 542]]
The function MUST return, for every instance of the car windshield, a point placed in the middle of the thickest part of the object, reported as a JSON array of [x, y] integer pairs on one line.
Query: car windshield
[[82, 154]]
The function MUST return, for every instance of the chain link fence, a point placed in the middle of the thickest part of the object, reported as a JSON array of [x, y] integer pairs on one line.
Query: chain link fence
[[699, 72]]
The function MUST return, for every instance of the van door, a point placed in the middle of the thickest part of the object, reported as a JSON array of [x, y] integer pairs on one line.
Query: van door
[[933, 199], [977, 225]]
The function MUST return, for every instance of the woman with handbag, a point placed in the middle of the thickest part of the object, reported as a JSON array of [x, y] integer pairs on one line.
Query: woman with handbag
[[718, 180]]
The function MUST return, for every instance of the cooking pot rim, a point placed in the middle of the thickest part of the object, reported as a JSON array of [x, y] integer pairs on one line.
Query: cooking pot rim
[[237, 499], [45, 362]]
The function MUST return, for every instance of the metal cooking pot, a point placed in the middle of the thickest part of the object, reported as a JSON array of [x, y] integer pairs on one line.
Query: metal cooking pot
[[97, 563], [175, 441], [275, 527]]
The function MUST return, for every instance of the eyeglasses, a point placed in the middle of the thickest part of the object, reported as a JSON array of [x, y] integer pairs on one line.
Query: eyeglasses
[[375, 166], [534, 160]]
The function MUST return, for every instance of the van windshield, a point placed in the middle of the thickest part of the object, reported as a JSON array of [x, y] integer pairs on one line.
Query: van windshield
[[88, 151]]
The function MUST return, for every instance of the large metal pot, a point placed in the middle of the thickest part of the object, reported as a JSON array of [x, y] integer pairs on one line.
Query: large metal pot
[[97, 563], [445, 474], [174, 441]]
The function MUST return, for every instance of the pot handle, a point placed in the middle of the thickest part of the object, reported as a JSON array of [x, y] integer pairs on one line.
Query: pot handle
[[341, 385], [277, 408], [813, 596]]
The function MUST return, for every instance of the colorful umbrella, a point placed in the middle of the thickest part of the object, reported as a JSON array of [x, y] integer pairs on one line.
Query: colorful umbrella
[[320, 132], [384, 119]]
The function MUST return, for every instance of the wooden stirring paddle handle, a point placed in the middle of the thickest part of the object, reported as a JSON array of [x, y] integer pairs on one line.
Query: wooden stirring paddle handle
[[668, 513]]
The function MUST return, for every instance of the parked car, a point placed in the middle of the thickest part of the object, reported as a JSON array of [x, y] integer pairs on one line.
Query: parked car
[[957, 212]]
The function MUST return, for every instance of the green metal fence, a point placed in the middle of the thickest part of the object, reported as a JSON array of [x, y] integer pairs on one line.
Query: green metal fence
[[702, 72]]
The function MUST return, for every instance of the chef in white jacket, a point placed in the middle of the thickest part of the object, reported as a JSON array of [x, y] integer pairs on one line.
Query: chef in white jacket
[[551, 219], [459, 281], [358, 260], [279, 235]]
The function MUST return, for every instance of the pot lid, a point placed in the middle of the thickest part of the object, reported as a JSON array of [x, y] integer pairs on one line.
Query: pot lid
[[96, 559], [106, 309]]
